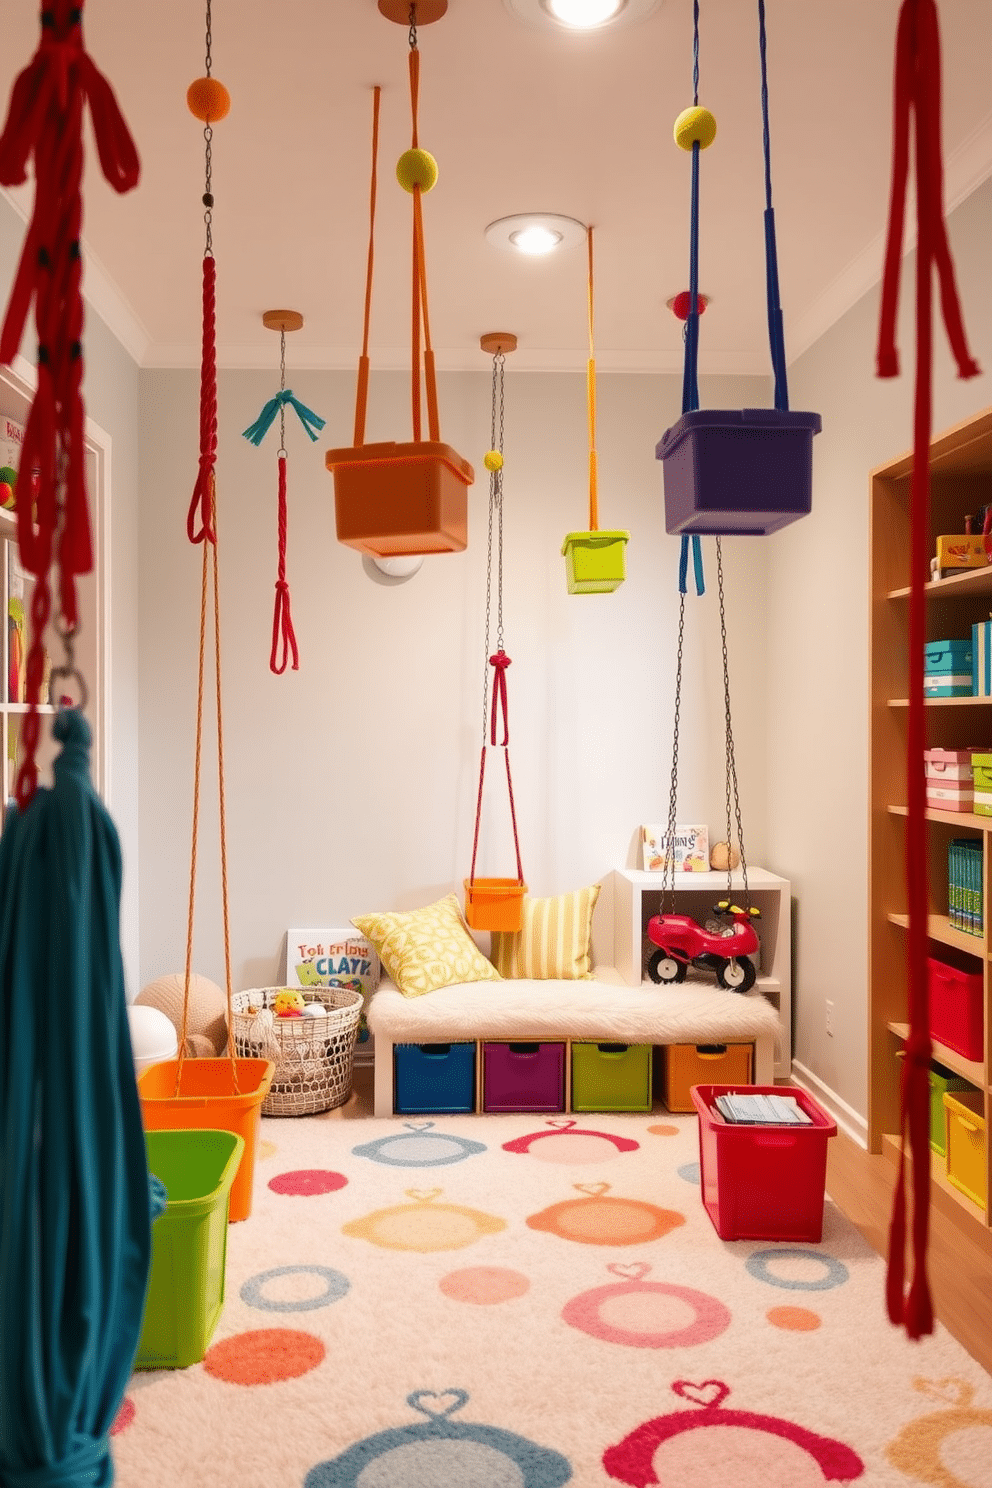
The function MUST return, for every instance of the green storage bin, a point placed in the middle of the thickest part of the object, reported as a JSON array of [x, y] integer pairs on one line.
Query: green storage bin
[[611, 1077], [941, 1079], [595, 561], [189, 1244]]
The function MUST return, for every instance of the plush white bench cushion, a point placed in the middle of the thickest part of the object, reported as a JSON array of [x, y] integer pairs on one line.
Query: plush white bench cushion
[[604, 1009]]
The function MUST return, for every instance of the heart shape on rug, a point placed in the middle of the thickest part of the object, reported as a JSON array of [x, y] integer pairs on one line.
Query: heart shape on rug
[[947, 1391], [446, 1402], [424, 1195], [632, 1270], [710, 1392], [594, 1190], [561, 1123]]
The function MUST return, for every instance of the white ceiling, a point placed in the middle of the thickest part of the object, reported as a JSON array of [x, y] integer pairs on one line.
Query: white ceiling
[[520, 118]]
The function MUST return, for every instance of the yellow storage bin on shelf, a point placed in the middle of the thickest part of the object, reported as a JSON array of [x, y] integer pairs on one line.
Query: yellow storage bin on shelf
[[966, 1140]]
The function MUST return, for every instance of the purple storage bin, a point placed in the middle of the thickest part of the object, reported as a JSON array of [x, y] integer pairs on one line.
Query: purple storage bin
[[741, 471], [523, 1077]]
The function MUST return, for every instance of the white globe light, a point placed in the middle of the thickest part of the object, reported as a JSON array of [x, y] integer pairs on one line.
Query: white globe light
[[535, 239], [581, 13]]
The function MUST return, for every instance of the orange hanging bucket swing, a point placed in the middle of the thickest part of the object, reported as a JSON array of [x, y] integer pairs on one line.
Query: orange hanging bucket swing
[[595, 561], [495, 903], [394, 499]]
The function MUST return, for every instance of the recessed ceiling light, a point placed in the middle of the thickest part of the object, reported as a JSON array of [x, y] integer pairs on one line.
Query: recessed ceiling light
[[535, 233], [581, 15]]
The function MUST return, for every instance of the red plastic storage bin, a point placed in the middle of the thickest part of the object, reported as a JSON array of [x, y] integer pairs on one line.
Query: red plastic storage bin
[[762, 1182], [523, 1077], [956, 1005]]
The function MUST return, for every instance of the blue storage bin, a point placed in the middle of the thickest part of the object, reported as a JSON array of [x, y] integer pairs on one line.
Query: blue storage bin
[[745, 470], [429, 1078], [947, 656]]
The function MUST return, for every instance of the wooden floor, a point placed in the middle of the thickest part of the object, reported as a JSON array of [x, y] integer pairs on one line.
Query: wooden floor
[[959, 1264], [861, 1184]]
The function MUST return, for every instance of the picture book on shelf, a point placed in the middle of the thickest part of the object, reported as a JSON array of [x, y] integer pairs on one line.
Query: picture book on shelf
[[335, 958], [690, 849]]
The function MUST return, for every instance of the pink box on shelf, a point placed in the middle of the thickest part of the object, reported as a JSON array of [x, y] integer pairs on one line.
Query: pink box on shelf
[[956, 795], [956, 1004], [946, 766], [523, 1077]]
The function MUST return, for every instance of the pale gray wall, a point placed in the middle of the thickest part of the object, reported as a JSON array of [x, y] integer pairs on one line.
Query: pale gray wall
[[817, 639], [351, 785], [110, 392]]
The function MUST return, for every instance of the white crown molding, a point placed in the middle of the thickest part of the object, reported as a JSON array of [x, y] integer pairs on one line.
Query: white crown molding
[[99, 290], [964, 171]]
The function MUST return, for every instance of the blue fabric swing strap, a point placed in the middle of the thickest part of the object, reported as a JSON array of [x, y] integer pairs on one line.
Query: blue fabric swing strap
[[311, 421]]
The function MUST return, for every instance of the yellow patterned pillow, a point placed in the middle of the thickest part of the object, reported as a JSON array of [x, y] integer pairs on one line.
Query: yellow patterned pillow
[[425, 949], [554, 940]]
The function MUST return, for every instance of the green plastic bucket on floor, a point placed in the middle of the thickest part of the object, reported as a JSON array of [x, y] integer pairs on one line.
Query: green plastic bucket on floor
[[189, 1244], [595, 561], [611, 1077]]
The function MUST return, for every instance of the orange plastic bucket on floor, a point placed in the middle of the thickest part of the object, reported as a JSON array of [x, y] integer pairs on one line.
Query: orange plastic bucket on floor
[[395, 499], [494, 903], [207, 1100]]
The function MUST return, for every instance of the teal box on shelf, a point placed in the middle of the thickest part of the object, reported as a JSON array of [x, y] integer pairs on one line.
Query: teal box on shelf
[[947, 668]]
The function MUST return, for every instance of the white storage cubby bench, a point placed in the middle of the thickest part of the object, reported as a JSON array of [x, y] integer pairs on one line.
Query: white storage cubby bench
[[610, 1009]]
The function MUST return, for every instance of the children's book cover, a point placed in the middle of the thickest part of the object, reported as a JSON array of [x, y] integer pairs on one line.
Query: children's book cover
[[335, 958], [691, 850]]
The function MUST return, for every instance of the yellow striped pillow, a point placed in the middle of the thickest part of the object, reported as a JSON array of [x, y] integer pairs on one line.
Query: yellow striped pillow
[[554, 940]]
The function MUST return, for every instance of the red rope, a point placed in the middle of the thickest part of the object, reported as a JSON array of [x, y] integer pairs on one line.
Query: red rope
[[282, 621], [917, 90], [500, 661], [202, 491], [45, 119]]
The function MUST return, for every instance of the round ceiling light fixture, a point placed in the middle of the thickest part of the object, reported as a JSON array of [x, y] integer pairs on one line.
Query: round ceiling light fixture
[[535, 234], [581, 15]]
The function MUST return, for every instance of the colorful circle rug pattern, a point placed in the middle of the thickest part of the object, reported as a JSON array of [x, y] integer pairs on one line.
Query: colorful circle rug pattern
[[484, 1285], [264, 1357], [600, 1219], [791, 1259], [334, 1288], [307, 1183], [424, 1225], [647, 1314], [419, 1147]]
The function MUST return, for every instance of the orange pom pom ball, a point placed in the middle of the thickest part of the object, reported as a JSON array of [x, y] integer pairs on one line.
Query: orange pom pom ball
[[208, 100]]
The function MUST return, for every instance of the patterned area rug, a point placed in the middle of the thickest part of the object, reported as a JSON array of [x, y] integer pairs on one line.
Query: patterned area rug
[[524, 1302]]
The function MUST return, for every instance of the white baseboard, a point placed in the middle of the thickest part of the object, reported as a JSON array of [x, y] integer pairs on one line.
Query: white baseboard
[[849, 1121]]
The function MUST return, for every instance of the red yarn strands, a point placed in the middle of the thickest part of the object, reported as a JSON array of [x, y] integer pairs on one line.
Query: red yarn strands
[[201, 509], [283, 635], [917, 91], [45, 120], [500, 661]]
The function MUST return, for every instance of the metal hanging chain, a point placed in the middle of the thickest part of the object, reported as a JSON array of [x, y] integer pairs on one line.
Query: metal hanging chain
[[413, 26], [282, 389], [495, 519], [733, 795], [668, 903]]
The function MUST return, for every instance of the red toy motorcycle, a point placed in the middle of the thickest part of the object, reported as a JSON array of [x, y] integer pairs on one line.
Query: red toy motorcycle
[[682, 943]]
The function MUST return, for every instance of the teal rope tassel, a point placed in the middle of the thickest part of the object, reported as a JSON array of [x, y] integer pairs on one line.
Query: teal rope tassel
[[311, 421]]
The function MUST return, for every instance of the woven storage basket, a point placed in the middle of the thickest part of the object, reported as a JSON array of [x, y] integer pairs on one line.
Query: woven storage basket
[[314, 1057]]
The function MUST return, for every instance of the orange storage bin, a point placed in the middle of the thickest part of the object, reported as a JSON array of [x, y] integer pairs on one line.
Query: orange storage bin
[[207, 1100], [686, 1065], [494, 903], [392, 499]]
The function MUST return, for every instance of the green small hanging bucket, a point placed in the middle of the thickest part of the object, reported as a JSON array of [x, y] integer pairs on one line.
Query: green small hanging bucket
[[595, 562]]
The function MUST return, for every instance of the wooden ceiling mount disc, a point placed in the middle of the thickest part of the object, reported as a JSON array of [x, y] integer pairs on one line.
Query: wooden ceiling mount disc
[[496, 341], [282, 320], [426, 11]]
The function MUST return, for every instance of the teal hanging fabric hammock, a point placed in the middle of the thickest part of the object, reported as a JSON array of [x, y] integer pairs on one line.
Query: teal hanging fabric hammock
[[75, 1201]]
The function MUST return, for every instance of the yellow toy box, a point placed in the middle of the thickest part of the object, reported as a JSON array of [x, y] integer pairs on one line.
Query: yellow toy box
[[958, 552]]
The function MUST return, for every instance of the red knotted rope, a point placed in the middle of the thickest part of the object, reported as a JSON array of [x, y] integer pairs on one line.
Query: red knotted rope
[[201, 508], [917, 91], [45, 119], [282, 620], [500, 661]]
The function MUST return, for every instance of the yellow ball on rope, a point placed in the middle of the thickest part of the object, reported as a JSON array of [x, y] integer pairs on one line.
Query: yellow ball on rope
[[208, 100], [493, 460], [695, 125], [416, 168]]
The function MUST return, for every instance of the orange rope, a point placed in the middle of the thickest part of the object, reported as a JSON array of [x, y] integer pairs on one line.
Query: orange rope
[[591, 401], [420, 314], [362, 393]]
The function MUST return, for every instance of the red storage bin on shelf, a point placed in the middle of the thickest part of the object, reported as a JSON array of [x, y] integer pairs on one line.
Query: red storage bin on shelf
[[956, 1003], [523, 1077], [762, 1182]]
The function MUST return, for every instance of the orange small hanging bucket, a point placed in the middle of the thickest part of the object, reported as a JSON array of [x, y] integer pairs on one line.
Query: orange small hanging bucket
[[494, 903], [214, 1097], [393, 499]]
